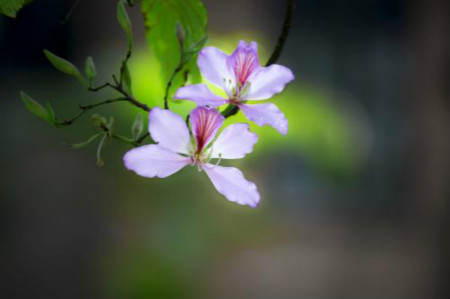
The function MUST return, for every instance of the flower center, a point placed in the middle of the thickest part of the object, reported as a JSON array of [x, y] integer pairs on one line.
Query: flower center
[[235, 91], [197, 159]]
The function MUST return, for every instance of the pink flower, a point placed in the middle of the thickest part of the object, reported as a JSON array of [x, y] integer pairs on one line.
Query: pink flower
[[176, 149], [244, 80]]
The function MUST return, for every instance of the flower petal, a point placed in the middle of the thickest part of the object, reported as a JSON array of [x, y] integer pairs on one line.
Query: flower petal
[[169, 130], [230, 182], [152, 160], [266, 114], [200, 94], [234, 142], [244, 61], [268, 81], [204, 124], [212, 64]]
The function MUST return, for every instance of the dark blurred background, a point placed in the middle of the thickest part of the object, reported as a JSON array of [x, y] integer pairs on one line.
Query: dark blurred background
[[355, 200]]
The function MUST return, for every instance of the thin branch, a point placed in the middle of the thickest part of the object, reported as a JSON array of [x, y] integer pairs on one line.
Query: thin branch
[[126, 95], [169, 84], [117, 86], [86, 108], [231, 109], [89, 107], [69, 14], [284, 33], [132, 100], [116, 82], [122, 67], [95, 89], [141, 139], [179, 67]]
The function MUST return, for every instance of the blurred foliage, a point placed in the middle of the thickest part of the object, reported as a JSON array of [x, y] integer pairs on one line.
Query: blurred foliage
[[163, 36], [10, 8], [168, 237]]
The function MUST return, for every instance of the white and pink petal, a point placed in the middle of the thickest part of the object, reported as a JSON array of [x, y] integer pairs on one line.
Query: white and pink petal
[[213, 65], [200, 94], [231, 183], [234, 142], [244, 61], [266, 114], [204, 125], [169, 130], [154, 161], [267, 81]]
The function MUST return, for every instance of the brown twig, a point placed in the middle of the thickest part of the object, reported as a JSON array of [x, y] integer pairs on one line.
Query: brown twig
[[231, 109]]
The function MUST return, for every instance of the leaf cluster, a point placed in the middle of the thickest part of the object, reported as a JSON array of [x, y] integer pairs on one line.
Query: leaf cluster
[[176, 31]]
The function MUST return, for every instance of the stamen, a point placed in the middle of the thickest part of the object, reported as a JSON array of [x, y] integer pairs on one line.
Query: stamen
[[246, 87], [192, 161], [219, 159]]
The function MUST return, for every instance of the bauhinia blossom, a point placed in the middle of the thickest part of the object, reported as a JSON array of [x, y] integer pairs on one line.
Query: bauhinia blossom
[[176, 149], [244, 81]]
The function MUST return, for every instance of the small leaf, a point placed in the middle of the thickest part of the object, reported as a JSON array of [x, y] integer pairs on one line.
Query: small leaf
[[100, 161], [137, 127], [34, 107], [180, 34], [124, 21], [51, 118], [110, 123], [10, 8], [194, 49], [91, 72], [127, 78], [98, 120], [65, 67], [87, 142]]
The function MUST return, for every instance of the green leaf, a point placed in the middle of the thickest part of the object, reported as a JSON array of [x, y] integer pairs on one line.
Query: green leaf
[[34, 107], [137, 127], [91, 72], [51, 118], [10, 8], [65, 67], [37, 109], [163, 37], [86, 142], [124, 21], [102, 143]]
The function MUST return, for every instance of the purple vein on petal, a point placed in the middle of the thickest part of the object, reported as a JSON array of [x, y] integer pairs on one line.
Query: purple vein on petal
[[204, 123]]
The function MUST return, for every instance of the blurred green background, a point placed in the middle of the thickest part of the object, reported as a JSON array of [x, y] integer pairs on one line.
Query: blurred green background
[[355, 199]]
